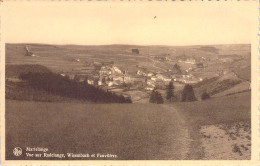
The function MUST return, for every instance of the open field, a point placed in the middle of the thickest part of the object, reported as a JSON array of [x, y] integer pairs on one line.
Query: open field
[[60, 58], [130, 131], [227, 109], [223, 114]]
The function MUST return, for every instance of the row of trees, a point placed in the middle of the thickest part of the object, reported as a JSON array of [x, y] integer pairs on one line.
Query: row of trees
[[186, 95], [63, 86]]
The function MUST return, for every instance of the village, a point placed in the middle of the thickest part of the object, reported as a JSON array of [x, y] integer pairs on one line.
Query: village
[[138, 82], [110, 77]]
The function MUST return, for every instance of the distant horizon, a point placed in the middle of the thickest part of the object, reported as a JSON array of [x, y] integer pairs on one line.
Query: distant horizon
[[129, 44]]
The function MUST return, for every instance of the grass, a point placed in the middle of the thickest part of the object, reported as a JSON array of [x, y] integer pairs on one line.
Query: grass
[[131, 131], [225, 110], [22, 91], [17, 70]]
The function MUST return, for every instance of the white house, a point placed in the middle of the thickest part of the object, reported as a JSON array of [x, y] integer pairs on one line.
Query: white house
[[151, 83], [91, 82], [110, 83], [150, 74], [154, 78], [117, 70], [189, 61], [149, 88]]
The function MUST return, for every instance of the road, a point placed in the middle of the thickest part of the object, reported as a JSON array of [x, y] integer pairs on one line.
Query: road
[[178, 135]]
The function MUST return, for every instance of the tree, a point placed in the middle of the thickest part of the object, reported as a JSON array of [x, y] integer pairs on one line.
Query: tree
[[188, 93], [205, 96], [170, 92], [156, 97], [63, 86], [152, 97], [176, 69], [159, 99]]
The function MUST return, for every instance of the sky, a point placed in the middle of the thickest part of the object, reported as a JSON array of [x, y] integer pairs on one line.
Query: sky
[[140, 23]]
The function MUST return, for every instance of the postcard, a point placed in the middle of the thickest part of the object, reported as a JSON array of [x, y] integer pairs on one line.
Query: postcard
[[129, 83]]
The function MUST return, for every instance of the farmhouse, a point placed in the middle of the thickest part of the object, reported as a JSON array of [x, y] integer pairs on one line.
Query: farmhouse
[[120, 79], [150, 74], [226, 60], [110, 83], [141, 73], [91, 82], [200, 65], [116, 70], [128, 79], [189, 61], [186, 78], [149, 88], [105, 70], [99, 83], [161, 77], [151, 83], [154, 78], [190, 81], [135, 51]]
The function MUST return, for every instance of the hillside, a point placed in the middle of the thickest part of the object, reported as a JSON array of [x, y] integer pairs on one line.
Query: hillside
[[134, 131], [228, 83], [14, 71], [37, 83]]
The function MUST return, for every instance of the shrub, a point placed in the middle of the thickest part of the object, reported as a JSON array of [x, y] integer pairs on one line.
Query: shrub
[[205, 96], [170, 92], [188, 93], [156, 97]]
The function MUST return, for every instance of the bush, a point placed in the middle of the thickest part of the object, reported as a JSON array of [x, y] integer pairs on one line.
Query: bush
[[205, 96], [156, 97], [170, 91], [188, 93]]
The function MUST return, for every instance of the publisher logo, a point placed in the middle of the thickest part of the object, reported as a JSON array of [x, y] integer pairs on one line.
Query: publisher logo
[[17, 151]]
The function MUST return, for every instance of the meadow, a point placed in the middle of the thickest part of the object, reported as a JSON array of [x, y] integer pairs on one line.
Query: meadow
[[130, 131], [224, 111]]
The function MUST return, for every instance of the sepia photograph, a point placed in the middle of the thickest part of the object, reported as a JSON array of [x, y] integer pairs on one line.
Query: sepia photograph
[[127, 81]]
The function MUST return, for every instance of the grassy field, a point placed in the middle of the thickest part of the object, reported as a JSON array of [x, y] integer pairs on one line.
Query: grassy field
[[227, 111], [131, 131]]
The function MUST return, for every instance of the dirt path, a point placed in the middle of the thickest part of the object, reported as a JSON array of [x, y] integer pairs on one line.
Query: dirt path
[[179, 134], [154, 62]]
